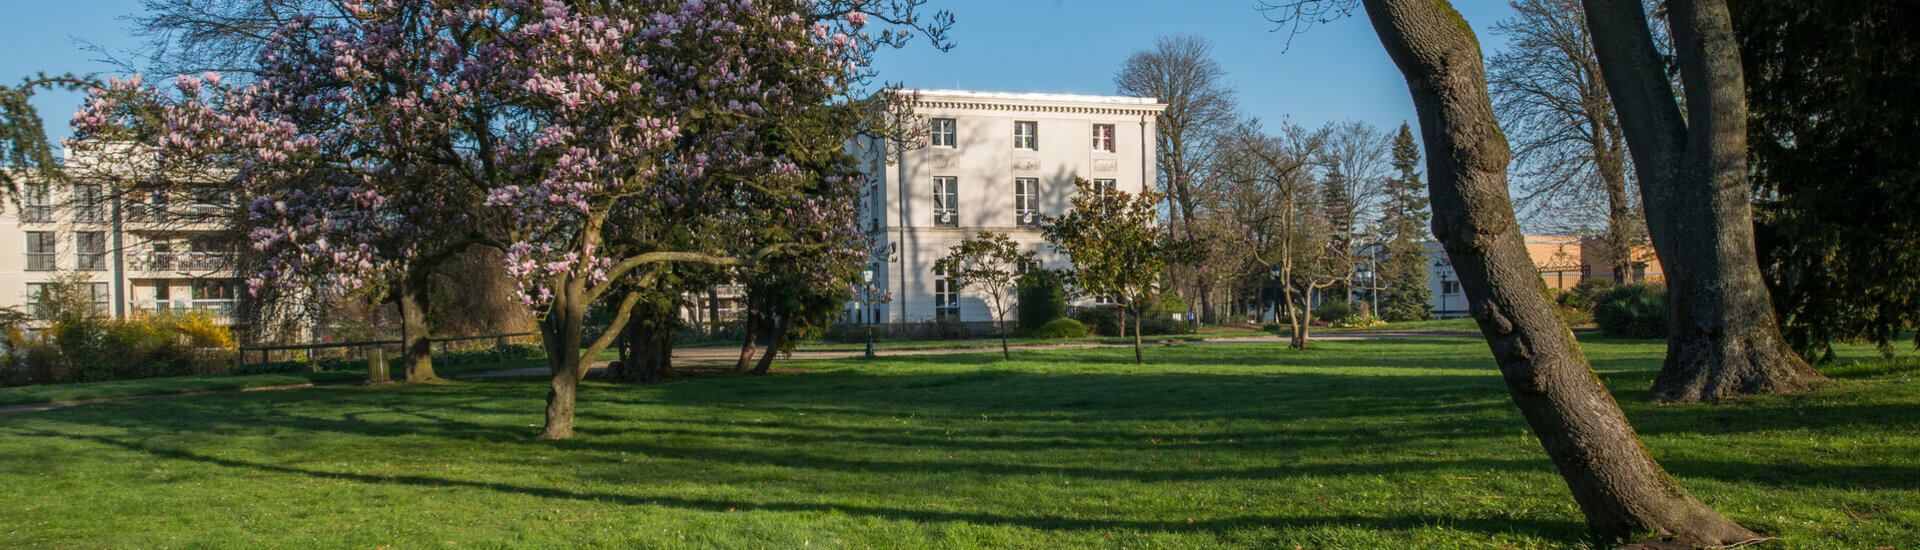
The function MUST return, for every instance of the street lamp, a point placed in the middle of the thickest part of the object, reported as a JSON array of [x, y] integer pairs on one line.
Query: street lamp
[[867, 290], [1278, 294], [1443, 291]]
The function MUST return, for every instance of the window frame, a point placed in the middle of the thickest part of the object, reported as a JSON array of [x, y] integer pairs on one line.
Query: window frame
[[1026, 199], [1032, 137], [951, 132], [946, 200], [89, 201], [1110, 184], [37, 204], [86, 259], [1108, 146], [48, 257], [946, 298]]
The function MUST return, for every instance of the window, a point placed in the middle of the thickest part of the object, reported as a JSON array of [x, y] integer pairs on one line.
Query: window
[[946, 201], [946, 299], [96, 293], [92, 249], [1026, 135], [1110, 185], [89, 203], [36, 209], [943, 132], [40, 251], [1449, 287], [874, 205], [1026, 202], [213, 290], [1103, 137]]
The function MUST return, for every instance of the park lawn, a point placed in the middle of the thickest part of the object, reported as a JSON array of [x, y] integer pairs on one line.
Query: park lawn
[[53, 393], [1402, 443]]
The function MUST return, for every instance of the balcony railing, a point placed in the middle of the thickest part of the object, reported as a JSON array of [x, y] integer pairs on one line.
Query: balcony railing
[[218, 309], [150, 213], [182, 261]]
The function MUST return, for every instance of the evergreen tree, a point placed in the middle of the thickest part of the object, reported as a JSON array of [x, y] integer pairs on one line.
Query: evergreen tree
[[1404, 269]]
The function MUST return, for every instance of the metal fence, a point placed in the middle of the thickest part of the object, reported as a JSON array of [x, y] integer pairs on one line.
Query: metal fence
[[313, 352]]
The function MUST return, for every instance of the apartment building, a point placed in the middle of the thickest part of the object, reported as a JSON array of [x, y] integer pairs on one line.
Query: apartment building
[[140, 254], [996, 162]]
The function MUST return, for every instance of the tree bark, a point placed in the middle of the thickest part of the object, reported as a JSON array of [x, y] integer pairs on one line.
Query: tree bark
[[752, 330], [415, 336], [560, 335], [1722, 338], [1138, 357], [1620, 488], [780, 335]]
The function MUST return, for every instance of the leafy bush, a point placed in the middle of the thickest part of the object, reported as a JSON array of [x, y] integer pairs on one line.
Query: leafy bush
[[1586, 294], [1333, 310], [1102, 320], [1633, 311], [846, 333], [1164, 305], [1061, 328], [1043, 300], [1152, 326]]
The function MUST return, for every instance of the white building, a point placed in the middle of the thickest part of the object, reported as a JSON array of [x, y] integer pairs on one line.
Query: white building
[[995, 162], [140, 254]]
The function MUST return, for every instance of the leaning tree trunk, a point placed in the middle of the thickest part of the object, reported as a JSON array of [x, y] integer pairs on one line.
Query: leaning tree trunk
[[1617, 484], [751, 333], [415, 337], [1722, 339], [779, 341], [1138, 357], [1611, 163]]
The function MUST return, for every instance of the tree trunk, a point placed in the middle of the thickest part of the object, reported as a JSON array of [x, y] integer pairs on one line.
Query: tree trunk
[[1620, 488], [1005, 351], [773, 347], [752, 330], [415, 338], [1138, 357], [1608, 159], [648, 357], [1122, 312], [1722, 339], [560, 335]]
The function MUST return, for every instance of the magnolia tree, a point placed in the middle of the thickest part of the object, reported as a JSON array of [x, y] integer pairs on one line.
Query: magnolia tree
[[1116, 246], [366, 144], [403, 130], [992, 264]]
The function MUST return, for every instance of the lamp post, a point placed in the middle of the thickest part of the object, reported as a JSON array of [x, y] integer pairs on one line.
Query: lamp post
[[867, 302], [1443, 292]]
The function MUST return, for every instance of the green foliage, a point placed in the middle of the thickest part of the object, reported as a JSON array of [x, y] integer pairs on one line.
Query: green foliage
[[1164, 304], [990, 263], [1403, 269], [1061, 328], [1633, 311], [1043, 299], [81, 347], [1587, 293], [1332, 311], [1101, 320], [24, 150], [1834, 137]]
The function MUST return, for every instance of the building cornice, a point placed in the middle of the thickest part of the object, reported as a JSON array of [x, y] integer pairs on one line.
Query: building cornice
[[1035, 103]]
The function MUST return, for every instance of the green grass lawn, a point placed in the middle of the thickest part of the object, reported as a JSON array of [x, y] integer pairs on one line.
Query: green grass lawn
[[1406, 443]]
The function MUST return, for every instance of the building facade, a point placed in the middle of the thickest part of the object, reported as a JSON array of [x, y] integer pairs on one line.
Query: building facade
[[989, 162], [139, 255], [1563, 263]]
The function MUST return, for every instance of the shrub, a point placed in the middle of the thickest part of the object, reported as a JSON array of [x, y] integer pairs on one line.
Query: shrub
[[1633, 311], [1586, 294], [1333, 310], [1043, 300], [1102, 320], [1164, 305], [1151, 326], [1061, 328]]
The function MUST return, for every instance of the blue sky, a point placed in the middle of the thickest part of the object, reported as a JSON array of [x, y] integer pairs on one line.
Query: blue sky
[[1333, 72]]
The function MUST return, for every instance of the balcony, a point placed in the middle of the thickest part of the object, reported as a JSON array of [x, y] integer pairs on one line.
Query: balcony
[[142, 213], [182, 262], [217, 309]]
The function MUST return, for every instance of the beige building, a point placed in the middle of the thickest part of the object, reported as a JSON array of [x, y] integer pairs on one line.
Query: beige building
[[1563, 263], [139, 254], [995, 162]]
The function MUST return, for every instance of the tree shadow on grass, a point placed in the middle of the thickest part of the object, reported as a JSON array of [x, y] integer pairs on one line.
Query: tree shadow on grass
[[1386, 522]]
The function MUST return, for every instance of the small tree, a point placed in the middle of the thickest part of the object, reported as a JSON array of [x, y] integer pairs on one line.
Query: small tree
[[1117, 249], [992, 263]]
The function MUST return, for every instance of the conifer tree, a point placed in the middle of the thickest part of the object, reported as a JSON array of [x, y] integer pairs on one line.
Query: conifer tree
[[1403, 270]]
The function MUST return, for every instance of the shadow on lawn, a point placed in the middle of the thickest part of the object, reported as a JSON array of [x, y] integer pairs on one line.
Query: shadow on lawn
[[1387, 522], [1000, 419]]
